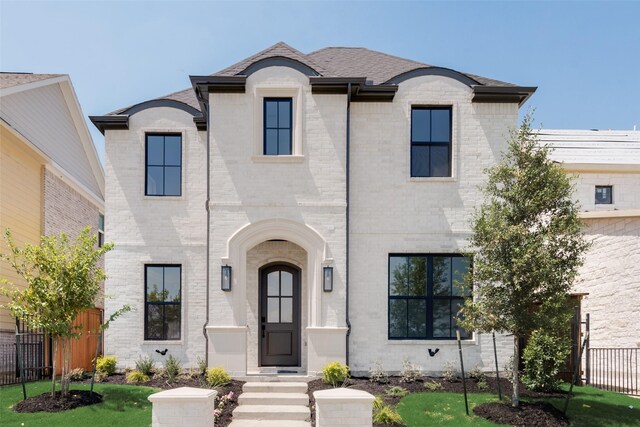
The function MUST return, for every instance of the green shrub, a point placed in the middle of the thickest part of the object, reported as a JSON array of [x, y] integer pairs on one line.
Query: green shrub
[[410, 372], [387, 415], [76, 374], [107, 364], [145, 365], [483, 385], [396, 391], [378, 375], [100, 377], [335, 373], [478, 375], [172, 368], [543, 358], [450, 373], [432, 386], [217, 377], [137, 377]]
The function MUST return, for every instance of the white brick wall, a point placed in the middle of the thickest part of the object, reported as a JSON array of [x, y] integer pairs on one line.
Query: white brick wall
[[391, 213], [154, 230], [626, 193]]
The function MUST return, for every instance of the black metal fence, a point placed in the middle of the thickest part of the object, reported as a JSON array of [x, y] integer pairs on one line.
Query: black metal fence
[[35, 351], [614, 369]]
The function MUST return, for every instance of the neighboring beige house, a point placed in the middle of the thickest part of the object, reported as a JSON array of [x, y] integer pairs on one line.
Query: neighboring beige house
[[295, 209], [607, 168], [51, 179]]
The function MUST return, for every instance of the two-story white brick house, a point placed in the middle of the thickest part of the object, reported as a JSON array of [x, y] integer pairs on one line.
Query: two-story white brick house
[[295, 209]]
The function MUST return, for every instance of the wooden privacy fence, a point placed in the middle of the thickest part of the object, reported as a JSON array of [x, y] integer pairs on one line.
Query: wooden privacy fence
[[83, 349]]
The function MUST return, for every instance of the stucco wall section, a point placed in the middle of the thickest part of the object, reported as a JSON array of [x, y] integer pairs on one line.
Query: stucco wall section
[[611, 277], [159, 230]]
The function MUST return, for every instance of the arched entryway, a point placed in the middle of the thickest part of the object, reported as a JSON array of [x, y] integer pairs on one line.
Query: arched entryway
[[279, 315]]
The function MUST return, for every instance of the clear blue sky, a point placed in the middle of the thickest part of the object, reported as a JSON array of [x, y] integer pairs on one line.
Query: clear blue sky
[[583, 56]]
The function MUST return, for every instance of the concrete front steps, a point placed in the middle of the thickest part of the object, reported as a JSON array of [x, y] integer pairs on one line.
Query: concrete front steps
[[272, 404]]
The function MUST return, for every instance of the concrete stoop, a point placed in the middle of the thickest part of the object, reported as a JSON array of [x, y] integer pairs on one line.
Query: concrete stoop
[[272, 404]]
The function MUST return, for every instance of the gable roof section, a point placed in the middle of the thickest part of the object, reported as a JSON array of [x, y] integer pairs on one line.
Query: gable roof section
[[331, 70], [43, 110], [591, 150]]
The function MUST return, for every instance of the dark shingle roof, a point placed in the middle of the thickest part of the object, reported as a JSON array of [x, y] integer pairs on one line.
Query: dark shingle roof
[[14, 79], [377, 67]]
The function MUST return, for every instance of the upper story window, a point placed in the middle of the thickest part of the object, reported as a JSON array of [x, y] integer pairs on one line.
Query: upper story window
[[163, 161], [430, 141], [100, 230], [277, 126], [604, 194], [162, 301], [425, 295]]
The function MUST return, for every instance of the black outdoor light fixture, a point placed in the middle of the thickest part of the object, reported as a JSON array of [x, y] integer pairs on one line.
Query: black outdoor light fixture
[[225, 284], [327, 279]]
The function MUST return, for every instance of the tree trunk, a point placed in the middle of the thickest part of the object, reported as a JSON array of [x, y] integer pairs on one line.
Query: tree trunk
[[66, 362], [515, 398], [54, 356]]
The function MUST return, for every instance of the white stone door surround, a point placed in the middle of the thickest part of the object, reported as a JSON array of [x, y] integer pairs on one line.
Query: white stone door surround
[[233, 354]]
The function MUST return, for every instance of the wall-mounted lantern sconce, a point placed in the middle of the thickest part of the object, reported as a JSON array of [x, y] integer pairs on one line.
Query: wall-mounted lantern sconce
[[226, 278], [327, 279]]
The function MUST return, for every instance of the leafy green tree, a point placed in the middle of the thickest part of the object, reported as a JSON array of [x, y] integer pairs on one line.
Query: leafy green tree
[[63, 279], [528, 244]]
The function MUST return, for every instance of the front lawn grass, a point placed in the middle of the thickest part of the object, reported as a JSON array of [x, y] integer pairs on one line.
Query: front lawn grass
[[588, 407], [122, 405]]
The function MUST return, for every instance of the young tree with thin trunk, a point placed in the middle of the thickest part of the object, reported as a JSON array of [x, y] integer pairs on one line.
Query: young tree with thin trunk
[[63, 279], [528, 245]]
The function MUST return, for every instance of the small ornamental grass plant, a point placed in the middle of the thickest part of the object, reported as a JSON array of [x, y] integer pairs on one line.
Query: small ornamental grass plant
[[450, 373], [432, 386], [145, 365], [217, 377], [172, 368], [336, 374], [396, 391], [76, 374], [137, 377], [107, 365], [387, 415]]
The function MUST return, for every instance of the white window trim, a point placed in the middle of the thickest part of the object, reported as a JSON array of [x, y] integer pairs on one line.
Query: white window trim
[[297, 130]]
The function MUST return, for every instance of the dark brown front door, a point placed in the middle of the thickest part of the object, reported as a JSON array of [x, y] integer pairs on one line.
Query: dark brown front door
[[279, 316]]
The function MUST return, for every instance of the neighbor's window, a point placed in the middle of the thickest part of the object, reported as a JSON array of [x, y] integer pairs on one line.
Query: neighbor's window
[[604, 194], [425, 294], [162, 302], [430, 141], [277, 126], [100, 230], [163, 161]]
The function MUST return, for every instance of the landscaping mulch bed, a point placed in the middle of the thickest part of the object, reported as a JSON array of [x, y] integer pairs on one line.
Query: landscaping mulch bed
[[196, 381], [418, 387], [46, 403], [526, 415]]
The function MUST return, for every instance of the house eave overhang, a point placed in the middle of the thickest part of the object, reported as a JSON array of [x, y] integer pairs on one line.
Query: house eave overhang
[[103, 123], [502, 94], [360, 91]]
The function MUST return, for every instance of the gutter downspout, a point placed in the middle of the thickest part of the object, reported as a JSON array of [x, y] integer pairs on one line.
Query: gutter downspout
[[206, 322], [347, 214]]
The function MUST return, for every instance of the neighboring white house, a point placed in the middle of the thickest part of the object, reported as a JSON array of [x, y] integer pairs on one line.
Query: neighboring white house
[[333, 189], [607, 169]]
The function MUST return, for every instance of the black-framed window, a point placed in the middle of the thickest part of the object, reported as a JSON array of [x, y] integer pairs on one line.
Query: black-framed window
[[100, 230], [604, 194], [277, 126], [430, 141], [162, 301], [425, 294], [163, 165]]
